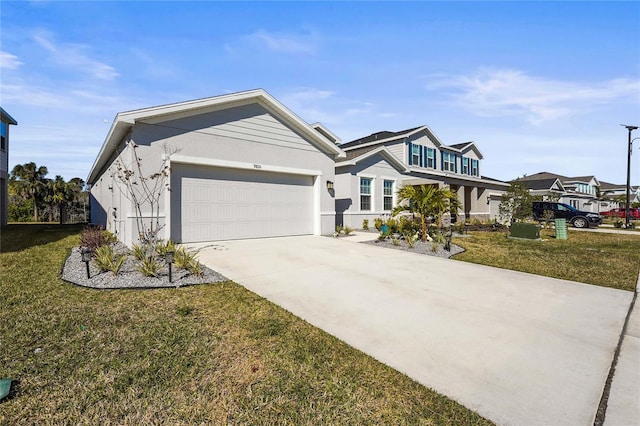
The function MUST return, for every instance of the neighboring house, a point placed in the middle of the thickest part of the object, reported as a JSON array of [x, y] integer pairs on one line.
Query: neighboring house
[[611, 193], [585, 193], [5, 121], [242, 165], [378, 164]]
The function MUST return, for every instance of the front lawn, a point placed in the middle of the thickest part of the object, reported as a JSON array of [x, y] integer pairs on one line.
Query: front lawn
[[608, 260], [214, 354]]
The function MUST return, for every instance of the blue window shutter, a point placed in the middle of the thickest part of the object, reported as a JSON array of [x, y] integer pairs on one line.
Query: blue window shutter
[[435, 163], [421, 157], [410, 153], [455, 163], [426, 156], [441, 160]]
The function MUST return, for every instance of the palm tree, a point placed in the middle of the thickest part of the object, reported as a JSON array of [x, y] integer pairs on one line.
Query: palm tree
[[428, 200], [32, 183], [58, 193]]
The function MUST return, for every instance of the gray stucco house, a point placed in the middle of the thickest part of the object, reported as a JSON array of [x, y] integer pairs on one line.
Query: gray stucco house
[[377, 165], [5, 121], [240, 165]]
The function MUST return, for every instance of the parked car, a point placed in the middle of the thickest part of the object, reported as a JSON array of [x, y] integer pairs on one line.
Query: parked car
[[634, 213], [577, 218]]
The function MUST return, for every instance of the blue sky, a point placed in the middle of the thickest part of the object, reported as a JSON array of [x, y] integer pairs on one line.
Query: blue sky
[[540, 86]]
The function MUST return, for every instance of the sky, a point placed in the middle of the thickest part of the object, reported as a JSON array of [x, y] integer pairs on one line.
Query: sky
[[538, 86]]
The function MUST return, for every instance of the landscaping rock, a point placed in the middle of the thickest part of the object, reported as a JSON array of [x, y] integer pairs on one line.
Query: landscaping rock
[[420, 248], [75, 271]]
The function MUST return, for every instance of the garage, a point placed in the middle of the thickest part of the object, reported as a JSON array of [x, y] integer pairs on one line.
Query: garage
[[218, 203]]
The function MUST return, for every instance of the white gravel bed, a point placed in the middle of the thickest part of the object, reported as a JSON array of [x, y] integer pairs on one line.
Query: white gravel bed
[[420, 248], [75, 271]]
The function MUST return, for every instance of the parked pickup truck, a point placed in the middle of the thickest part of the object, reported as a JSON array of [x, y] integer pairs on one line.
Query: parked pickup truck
[[634, 213]]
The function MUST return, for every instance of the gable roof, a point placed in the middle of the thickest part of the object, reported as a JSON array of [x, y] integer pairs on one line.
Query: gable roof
[[6, 117], [124, 121], [380, 138], [381, 150], [542, 184]]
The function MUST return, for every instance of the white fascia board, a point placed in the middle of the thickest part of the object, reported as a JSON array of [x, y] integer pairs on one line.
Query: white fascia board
[[384, 152], [449, 175], [325, 130], [199, 161], [472, 146], [125, 120]]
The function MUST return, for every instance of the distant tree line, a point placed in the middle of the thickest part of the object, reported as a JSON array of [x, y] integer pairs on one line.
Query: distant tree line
[[34, 197]]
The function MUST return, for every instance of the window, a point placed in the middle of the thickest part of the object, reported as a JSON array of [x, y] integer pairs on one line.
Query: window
[[448, 162], [415, 155], [431, 158], [365, 194], [3, 135], [474, 168], [387, 194], [575, 204], [465, 165]]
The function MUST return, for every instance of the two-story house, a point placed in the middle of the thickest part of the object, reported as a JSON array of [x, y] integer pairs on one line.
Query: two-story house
[[5, 121], [378, 164], [580, 192]]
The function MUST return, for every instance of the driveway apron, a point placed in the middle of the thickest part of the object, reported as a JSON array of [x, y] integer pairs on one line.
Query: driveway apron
[[517, 348]]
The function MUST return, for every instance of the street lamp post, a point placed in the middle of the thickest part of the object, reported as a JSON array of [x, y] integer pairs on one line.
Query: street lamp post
[[626, 210]]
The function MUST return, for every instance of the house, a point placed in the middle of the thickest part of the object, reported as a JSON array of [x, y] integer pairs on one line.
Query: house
[[5, 121], [585, 193], [611, 195], [239, 165], [377, 165]]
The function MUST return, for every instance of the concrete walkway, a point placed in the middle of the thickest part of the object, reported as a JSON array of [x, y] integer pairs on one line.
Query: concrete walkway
[[519, 349], [623, 406]]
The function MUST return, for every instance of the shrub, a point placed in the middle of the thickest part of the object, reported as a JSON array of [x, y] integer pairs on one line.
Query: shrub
[[187, 260], [162, 248], [434, 245], [94, 237], [139, 251], [393, 226], [106, 260], [395, 241], [618, 223], [377, 223], [411, 239], [339, 229], [347, 230], [365, 224], [149, 266]]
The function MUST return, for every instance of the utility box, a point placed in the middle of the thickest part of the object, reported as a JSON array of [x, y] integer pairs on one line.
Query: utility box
[[529, 231], [561, 229]]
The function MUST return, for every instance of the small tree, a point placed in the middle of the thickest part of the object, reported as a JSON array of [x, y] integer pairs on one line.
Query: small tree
[[517, 203], [427, 201], [145, 191]]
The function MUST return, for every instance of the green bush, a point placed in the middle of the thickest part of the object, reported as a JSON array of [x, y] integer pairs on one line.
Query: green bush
[[393, 226], [339, 229], [347, 230], [107, 260], [377, 223], [149, 266], [162, 248], [365, 224], [184, 259], [139, 251]]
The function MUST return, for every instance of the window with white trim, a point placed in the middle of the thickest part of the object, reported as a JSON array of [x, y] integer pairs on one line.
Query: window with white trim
[[575, 203], [465, 165], [475, 171], [415, 155], [387, 195], [448, 162], [431, 158], [365, 194]]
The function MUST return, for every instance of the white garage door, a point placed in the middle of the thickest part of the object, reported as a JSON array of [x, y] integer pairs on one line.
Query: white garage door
[[226, 204]]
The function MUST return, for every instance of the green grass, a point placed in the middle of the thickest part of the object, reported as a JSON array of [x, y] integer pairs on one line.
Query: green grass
[[608, 260], [215, 354]]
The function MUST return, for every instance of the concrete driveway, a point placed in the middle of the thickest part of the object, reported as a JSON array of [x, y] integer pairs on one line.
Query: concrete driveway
[[519, 349]]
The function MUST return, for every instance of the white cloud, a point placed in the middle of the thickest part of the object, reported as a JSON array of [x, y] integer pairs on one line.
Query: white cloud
[[285, 43], [497, 93], [75, 56], [9, 61]]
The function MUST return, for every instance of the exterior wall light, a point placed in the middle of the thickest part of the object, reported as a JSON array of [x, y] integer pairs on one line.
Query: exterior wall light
[[168, 257], [86, 258], [329, 185]]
